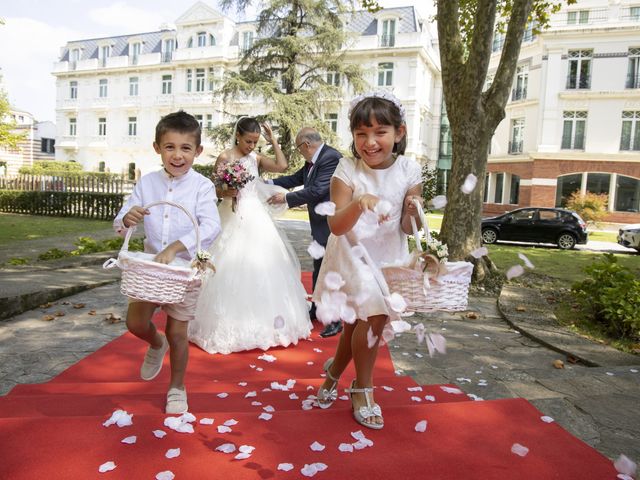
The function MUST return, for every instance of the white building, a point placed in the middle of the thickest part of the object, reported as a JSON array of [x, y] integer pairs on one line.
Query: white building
[[111, 92], [573, 120]]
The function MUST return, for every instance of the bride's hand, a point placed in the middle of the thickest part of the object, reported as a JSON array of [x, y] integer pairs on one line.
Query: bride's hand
[[267, 132]]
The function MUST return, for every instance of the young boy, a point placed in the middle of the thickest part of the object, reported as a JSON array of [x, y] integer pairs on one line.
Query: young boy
[[170, 233]]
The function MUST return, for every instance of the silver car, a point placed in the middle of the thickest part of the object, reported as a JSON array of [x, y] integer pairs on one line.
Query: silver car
[[629, 236]]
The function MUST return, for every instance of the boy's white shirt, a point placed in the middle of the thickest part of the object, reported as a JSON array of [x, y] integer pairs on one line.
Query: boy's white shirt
[[166, 224]]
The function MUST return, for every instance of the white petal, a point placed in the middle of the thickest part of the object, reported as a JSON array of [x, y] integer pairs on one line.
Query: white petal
[[267, 358], [159, 433], [625, 465], [226, 448], [120, 418], [371, 338], [388, 389], [515, 271], [188, 417], [430, 398], [265, 416], [321, 467], [436, 343], [242, 384], [333, 280], [345, 447], [421, 426], [206, 421], [416, 399], [348, 314], [317, 350], [315, 250], [419, 329], [546, 419], [223, 395], [316, 447], [397, 303], [285, 467], [231, 422], [480, 252], [526, 261], [326, 208], [251, 394], [129, 440], [358, 435], [414, 389], [246, 448], [308, 470], [439, 201], [166, 475], [469, 184], [519, 449], [242, 456], [256, 403], [400, 326], [223, 429], [453, 390], [172, 453], [293, 396], [106, 467], [367, 225], [383, 207], [278, 322]]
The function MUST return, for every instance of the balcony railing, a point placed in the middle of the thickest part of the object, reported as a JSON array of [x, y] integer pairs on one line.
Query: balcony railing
[[387, 40], [583, 83], [515, 147], [633, 81], [518, 94]]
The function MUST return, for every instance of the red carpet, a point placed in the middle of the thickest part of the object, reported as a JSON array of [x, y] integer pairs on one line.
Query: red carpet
[[54, 430]]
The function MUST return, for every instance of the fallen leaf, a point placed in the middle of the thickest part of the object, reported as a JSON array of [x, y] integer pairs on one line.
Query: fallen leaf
[[78, 305], [472, 315], [520, 308], [46, 305], [65, 303], [572, 359], [48, 318], [91, 312], [558, 364], [59, 314]]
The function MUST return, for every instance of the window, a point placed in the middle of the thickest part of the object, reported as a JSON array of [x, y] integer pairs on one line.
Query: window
[[247, 41], [333, 78], [517, 136], [166, 84], [529, 34], [133, 126], [627, 194], [189, 79], [566, 185], [102, 127], [105, 52], [74, 56], [134, 52], [630, 137], [199, 119], [598, 182], [168, 45], [190, 43], [488, 81], [633, 70], [521, 81], [212, 79], [498, 42], [497, 197], [579, 69], [47, 145], [102, 90], [212, 40], [578, 17], [331, 119], [634, 13], [388, 37], [101, 167], [200, 79], [202, 39], [72, 127], [133, 86], [73, 89], [485, 194], [514, 190], [573, 130], [209, 122], [132, 171], [385, 74]]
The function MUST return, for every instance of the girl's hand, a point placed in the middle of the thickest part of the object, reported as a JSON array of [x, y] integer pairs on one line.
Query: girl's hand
[[409, 206], [134, 216], [367, 202], [267, 132]]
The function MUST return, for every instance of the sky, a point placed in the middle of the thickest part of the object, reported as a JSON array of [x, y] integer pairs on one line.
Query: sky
[[35, 31]]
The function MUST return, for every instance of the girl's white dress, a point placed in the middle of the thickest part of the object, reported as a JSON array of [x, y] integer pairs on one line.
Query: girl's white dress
[[386, 246], [256, 298]]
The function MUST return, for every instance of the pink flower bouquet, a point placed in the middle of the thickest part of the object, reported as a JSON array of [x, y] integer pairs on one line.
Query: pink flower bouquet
[[233, 175]]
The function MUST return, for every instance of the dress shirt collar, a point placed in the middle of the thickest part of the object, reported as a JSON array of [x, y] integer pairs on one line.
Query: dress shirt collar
[[315, 155]]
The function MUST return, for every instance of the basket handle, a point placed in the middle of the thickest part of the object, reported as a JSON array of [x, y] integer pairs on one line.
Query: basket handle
[[425, 226], [125, 245]]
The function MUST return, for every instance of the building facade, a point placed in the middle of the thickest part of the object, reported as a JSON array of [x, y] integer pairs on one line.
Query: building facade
[[573, 120], [112, 91]]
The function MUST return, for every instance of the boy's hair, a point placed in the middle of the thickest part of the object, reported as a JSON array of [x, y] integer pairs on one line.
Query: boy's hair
[[247, 125], [181, 122], [385, 112]]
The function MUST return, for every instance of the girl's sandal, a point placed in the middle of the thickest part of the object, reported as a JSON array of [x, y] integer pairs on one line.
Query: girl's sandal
[[365, 412], [327, 397]]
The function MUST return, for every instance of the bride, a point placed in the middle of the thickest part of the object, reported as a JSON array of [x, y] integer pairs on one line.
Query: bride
[[256, 298]]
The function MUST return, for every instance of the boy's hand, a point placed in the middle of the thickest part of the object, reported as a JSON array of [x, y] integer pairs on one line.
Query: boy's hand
[[134, 216], [167, 255]]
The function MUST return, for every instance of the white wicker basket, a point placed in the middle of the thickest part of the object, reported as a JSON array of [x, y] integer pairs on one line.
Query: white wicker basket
[[150, 281], [424, 293]]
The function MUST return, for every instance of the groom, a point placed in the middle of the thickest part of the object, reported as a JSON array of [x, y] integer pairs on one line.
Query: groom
[[314, 177]]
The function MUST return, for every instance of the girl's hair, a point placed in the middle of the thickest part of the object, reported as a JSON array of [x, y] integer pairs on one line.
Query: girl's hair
[[384, 111], [245, 125], [181, 122]]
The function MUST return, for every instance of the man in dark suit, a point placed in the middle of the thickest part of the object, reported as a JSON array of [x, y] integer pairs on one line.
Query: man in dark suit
[[314, 177]]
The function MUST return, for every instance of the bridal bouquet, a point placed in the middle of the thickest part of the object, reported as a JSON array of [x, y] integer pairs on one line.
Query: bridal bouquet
[[233, 175]]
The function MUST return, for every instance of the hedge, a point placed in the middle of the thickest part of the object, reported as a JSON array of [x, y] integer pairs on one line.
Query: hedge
[[100, 206]]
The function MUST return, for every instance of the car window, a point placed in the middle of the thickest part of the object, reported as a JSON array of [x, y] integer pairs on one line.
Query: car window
[[523, 215], [548, 215]]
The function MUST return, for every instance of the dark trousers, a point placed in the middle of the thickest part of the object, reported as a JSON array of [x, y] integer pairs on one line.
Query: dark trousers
[[316, 269]]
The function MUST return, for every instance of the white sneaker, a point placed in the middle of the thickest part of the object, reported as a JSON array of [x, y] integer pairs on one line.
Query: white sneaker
[[176, 401], [153, 361]]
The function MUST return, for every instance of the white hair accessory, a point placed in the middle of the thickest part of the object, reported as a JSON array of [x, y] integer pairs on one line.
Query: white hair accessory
[[379, 94]]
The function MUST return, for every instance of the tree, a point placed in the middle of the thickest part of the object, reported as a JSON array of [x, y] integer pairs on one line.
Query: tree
[[299, 43], [8, 137]]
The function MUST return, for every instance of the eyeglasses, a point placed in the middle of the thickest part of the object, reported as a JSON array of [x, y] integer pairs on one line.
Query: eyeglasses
[[300, 144]]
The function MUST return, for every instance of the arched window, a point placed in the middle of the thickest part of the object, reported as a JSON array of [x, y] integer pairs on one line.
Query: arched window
[[202, 39], [212, 40], [627, 194]]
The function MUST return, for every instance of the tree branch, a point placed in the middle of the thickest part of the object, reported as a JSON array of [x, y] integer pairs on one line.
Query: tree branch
[[480, 50], [451, 47]]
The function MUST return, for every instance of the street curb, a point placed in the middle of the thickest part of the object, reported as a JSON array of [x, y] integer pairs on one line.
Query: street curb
[[11, 306]]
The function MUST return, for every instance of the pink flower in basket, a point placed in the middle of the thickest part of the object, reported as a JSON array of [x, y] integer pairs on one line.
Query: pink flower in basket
[[233, 175]]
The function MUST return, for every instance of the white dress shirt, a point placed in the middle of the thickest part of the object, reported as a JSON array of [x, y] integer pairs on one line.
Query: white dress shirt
[[166, 224]]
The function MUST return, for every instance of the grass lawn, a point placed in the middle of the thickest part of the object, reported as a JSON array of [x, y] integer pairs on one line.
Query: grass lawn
[[15, 227], [603, 236]]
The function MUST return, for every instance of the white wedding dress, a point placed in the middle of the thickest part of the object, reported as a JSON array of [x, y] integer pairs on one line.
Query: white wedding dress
[[256, 298]]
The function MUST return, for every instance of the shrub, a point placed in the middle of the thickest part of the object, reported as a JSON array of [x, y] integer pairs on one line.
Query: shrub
[[51, 167], [18, 261], [429, 183], [53, 254], [592, 207], [206, 170], [102, 206], [612, 294]]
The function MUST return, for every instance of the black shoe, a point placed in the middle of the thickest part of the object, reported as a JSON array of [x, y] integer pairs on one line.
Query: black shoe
[[331, 329]]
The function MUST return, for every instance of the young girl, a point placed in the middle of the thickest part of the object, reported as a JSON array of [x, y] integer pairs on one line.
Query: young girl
[[256, 298], [378, 172]]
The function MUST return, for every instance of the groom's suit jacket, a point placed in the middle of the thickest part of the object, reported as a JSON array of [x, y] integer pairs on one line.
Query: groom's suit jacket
[[315, 179]]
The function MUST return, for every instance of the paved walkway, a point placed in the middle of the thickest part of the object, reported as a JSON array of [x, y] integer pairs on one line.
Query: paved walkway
[[507, 349]]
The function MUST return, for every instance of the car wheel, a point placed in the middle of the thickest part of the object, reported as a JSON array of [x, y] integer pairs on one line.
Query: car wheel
[[566, 241], [489, 236]]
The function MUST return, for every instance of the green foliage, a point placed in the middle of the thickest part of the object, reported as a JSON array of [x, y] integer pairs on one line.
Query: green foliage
[[298, 43], [51, 167], [53, 254], [103, 206], [18, 261], [206, 170], [8, 137], [429, 183], [611, 293], [592, 207]]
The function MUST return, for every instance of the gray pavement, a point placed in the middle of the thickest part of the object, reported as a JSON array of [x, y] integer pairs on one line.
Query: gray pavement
[[507, 349]]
